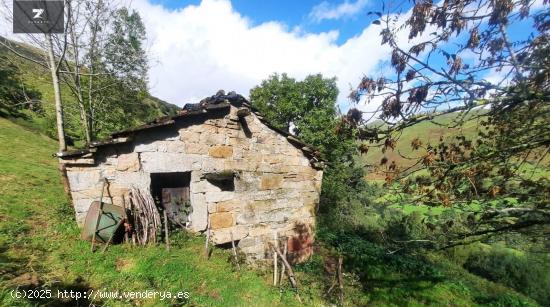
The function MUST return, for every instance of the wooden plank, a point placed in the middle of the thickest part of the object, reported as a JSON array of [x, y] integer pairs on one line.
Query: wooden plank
[[78, 162]]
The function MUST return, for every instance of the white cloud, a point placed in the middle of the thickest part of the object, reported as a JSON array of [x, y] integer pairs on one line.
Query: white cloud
[[199, 49], [196, 50], [325, 10]]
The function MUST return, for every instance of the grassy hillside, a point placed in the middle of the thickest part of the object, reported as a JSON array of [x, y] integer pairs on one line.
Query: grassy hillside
[[40, 245], [427, 132], [36, 79], [40, 249], [430, 132]]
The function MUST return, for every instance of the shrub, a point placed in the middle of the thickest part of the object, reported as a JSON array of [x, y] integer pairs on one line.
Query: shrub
[[505, 300], [527, 273]]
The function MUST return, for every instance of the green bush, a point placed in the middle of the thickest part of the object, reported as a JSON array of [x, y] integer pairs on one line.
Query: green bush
[[505, 300], [406, 226], [364, 257], [527, 273]]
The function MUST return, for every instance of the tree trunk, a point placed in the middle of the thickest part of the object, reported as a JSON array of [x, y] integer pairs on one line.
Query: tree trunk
[[340, 280], [58, 112], [57, 95], [91, 66], [77, 78], [84, 117]]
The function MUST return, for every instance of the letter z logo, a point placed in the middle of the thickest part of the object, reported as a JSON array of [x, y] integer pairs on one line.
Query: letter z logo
[[37, 13]]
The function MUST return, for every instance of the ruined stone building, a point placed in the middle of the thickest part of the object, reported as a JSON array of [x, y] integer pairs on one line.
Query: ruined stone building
[[237, 174]]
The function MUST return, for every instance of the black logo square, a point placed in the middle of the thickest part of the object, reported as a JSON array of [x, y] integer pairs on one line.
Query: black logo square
[[38, 16]]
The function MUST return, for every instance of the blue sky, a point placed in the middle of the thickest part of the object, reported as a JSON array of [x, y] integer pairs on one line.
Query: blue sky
[[297, 14], [198, 47]]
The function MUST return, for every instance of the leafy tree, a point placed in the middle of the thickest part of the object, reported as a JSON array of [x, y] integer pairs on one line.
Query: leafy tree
[[305, 108], [286, 101], [101, 62], [460, 56], [106, 67], [121, 64], [111, 86], [308, 110], [125, 57]]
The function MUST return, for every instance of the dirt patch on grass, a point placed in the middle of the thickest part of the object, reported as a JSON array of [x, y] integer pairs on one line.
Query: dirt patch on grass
[[124, 265], [26, 280]]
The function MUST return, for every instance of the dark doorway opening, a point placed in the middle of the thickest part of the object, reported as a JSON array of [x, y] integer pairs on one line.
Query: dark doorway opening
[[171, 194]]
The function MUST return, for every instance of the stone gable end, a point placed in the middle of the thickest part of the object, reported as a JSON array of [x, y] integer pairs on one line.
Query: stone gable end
[[275, 189]]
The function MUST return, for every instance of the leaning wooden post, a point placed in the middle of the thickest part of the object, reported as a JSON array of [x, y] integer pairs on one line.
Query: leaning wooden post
[[125, 217], [281, 278], [207, 238], [275, 273], [100, 213], [234, 251], [291, 275], [112, 235], [167, 239]]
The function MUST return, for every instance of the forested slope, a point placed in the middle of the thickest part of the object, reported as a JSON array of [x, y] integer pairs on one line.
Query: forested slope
[[26, 93]]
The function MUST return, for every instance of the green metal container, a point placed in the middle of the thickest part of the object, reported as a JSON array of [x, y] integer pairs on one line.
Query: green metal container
[[108, 223]]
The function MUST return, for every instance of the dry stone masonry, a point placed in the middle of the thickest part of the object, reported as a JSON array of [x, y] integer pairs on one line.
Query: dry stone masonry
[[276, 181]]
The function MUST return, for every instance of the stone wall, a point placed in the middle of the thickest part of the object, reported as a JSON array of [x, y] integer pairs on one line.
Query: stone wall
[[276, 189]]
